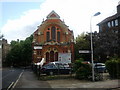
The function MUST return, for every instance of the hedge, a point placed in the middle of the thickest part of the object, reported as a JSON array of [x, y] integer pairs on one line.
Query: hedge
[[113, 67], [82, 71]]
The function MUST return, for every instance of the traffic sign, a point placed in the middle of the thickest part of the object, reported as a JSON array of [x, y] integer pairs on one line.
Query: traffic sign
[[84, 51]]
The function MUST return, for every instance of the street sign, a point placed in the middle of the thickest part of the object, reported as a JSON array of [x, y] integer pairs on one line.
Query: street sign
[[84, 51], [37, 47]]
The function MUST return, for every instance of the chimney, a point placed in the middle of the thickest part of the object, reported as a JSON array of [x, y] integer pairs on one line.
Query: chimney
[[118, 8]]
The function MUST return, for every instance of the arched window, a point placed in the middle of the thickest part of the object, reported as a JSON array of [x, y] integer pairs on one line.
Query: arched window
[[48, 36], [56, 56], [58, 36], [47, 57], [53, 33], [52, 56]]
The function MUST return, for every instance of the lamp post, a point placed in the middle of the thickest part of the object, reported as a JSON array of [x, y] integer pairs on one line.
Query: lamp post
[[96, 14]]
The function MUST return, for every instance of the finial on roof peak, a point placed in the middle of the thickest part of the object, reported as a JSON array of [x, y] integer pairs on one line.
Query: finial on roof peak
[[53, 15]]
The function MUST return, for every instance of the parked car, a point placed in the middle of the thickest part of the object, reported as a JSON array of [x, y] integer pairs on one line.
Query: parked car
[[99, 67], [55, 68]]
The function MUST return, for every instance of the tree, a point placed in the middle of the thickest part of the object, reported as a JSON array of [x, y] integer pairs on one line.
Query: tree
[[27, 50], [82, 43], [20, 53], [105, 45]]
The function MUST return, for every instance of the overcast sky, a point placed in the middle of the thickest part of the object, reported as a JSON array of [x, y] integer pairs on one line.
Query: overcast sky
[[20, 19]]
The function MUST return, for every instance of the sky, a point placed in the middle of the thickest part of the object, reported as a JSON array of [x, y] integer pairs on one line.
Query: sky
[[20, 18]]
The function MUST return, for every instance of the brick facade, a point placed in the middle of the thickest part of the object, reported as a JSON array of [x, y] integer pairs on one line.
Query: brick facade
[[51, 38]]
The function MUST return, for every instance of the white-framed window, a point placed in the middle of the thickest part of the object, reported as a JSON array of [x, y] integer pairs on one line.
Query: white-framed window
[[112, 23], [116, 22], [109, 25]]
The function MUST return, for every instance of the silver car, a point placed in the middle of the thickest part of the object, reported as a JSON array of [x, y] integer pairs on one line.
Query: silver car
[[100, 67]]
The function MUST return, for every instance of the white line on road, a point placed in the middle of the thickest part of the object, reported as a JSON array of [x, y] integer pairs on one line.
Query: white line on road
[[17, 80]]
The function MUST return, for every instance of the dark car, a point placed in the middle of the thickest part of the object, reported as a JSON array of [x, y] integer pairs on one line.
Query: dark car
[[99, 67], [55, 68]]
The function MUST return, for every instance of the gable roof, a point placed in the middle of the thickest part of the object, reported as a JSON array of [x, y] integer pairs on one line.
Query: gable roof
[[109, 19], [53, 15]]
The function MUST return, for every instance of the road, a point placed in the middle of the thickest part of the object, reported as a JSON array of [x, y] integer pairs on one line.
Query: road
[[9, 76]]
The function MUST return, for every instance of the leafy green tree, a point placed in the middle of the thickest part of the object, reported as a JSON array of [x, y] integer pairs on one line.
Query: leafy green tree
[[20, 53], [27, 51], [82, 43], [105, 45]]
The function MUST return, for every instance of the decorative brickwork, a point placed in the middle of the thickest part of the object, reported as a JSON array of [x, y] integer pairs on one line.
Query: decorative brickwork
[[51, 38]]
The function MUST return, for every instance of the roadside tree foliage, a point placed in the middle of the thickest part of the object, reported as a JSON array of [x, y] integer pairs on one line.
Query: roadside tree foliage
[[113, 67], [105, 45], [82, 43], [20, 53]]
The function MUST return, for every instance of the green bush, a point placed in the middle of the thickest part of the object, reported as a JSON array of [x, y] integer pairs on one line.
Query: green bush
[[113, 67], [82, 71]]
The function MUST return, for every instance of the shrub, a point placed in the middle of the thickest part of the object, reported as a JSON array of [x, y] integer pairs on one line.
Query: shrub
[[113, 67], [82, 71]]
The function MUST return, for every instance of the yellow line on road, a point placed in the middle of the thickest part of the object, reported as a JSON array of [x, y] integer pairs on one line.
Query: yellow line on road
[[10, 86], [17, 80]]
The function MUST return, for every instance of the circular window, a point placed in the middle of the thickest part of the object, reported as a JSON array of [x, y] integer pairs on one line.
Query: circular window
[[48, 28]]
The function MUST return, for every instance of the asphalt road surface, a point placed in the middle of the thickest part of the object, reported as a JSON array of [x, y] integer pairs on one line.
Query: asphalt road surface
[[9, 76]]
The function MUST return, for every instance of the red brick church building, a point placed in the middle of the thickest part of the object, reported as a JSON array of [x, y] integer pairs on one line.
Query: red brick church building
[[53, 40]]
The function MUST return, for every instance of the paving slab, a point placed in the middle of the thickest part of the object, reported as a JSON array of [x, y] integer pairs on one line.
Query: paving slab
[[29, 80]]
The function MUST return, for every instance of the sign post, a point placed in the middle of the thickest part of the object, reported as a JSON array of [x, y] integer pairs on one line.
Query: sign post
[[84, 51]]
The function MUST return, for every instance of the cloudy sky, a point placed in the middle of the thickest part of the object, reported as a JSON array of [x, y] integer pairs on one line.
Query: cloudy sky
[[20, 18]]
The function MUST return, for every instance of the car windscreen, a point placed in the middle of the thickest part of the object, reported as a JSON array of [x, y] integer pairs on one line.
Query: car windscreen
[[59, 66]]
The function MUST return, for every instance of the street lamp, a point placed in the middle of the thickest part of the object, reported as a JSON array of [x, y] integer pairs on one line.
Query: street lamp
[[96, 14]]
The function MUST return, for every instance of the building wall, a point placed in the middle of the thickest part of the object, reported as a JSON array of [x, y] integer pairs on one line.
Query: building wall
[[118, 8], [54, 37], [5, 49], [111, 23], [0, 54]]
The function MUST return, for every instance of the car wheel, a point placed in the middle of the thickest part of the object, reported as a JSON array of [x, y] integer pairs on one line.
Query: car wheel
[[51, 73]]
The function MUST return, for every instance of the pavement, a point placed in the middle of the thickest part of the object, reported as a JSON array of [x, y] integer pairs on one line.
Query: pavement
[[29, 80]]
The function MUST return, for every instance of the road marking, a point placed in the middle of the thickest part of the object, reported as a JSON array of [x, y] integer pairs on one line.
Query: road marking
[[17, 80], [10, 85]]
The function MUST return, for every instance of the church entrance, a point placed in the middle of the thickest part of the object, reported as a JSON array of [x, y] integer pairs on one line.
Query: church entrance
[[51, 56]]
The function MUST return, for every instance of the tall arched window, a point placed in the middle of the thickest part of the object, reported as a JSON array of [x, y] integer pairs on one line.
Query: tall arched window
[[56, 56], [52, 56], [48, 36], [53, 33], [58, 36], [47, 57]]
